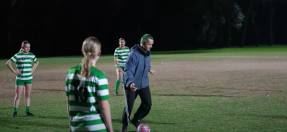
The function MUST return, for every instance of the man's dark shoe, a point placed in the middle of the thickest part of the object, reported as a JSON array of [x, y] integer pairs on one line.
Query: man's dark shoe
[[29, 114], [116, 93], [124, 128], [14, 114], [136, 123]]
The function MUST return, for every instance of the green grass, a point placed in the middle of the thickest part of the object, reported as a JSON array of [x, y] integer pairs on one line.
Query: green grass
[[169, 113], [173, 110]]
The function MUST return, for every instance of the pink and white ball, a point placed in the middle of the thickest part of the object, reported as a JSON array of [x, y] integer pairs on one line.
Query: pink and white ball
[[143, 128]]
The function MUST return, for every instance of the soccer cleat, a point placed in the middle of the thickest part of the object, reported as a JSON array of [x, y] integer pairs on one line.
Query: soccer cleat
[[14, 114], [124, 128], [136, 123], [116, 93], [29, 114]]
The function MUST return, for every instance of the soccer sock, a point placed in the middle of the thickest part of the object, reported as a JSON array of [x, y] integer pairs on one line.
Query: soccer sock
[[27, 109], [118, 83], [16, 110]]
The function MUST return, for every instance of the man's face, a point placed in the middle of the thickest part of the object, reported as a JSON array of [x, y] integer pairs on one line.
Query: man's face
[[147, 46]]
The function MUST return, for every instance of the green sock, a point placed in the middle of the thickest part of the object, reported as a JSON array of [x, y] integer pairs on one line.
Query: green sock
[[27, 109], [15, 109], [118, 83]]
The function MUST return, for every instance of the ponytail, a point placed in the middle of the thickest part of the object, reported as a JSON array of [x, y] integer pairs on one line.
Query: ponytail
[[23, 44], [90, 48], [86, 66]]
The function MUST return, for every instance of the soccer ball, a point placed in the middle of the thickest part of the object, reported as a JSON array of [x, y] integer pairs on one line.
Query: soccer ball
[[143, 128]]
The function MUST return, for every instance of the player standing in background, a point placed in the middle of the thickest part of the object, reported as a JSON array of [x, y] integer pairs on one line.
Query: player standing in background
[[24, 78], [121, 55], [87, 92]]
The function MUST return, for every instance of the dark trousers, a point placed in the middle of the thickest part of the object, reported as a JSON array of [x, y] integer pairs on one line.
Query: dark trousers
[[144, 108]]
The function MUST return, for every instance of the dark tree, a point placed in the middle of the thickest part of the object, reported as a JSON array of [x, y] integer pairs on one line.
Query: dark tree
[[255, 12], [211, 6], [229, 11], [271, 21], [247, 14]]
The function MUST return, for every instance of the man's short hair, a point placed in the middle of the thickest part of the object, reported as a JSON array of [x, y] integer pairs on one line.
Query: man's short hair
[[145, 37]]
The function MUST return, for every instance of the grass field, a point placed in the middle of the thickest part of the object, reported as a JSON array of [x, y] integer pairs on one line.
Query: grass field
[[205, 90]]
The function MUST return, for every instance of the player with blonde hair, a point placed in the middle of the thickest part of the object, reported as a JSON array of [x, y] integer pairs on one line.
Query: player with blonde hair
[[24, 78], [87, 92]]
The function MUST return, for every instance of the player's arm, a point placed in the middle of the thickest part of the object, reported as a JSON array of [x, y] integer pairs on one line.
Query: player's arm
[[106, 114], [116, 61], [103, 97], [116, 54], [8, 63], [67, 89], [68, 113], [35, 66]]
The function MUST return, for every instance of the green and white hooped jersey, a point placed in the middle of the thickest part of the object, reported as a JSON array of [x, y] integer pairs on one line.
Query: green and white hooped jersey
[[84, 96], [122, 55], [24, 64]]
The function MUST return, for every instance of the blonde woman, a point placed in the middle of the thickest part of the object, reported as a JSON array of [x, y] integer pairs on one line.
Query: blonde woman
[[24, 78], [87, 92]]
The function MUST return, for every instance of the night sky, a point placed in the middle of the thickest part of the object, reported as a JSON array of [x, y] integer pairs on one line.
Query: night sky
[[58, 27]]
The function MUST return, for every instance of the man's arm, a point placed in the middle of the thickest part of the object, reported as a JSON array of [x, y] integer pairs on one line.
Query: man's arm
[[152, 72], [130, 69]]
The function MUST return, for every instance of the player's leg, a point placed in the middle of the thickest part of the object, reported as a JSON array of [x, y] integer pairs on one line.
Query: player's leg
[[118, 81], [145, 106], [18, 91], [28, 88], [130, 98]]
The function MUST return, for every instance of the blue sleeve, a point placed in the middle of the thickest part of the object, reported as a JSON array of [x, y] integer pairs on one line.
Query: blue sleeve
[[149, 64], [130, 70]]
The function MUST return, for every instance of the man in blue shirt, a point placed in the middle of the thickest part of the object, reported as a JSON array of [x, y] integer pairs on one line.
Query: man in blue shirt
[[136, 82]]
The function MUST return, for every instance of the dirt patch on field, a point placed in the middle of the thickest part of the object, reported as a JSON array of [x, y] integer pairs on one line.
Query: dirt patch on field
[[228, 77]]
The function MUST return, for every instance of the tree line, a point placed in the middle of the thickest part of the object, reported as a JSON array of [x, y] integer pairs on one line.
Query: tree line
[[188, 24]]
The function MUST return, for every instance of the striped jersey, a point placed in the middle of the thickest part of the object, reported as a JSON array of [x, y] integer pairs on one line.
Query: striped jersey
[[122, 55], [24, 64], [84, 96]]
